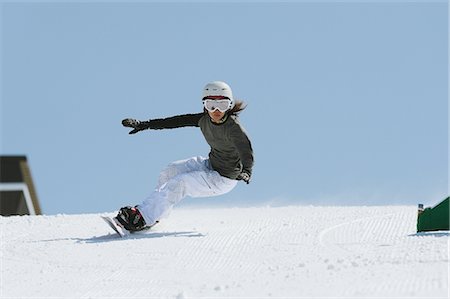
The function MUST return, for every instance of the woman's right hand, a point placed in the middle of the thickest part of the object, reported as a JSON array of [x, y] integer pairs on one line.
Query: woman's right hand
[[135, 124], [130, 122]]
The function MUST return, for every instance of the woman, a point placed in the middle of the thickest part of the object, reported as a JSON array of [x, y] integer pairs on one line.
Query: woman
[[230, 158]]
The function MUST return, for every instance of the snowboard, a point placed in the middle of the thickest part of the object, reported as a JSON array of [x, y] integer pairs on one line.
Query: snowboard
[[119, 230]]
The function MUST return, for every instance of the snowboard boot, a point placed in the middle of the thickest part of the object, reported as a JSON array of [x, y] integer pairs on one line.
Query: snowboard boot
[[131, 219]]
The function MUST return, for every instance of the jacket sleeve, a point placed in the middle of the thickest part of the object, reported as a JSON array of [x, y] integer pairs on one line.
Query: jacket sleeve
[[244, 147], [178, 121]]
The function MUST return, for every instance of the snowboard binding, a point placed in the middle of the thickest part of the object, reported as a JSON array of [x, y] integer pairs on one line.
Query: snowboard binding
[[130, 219]]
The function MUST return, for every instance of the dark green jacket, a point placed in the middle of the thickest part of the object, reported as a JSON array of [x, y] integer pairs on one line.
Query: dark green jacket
[[231, 150]]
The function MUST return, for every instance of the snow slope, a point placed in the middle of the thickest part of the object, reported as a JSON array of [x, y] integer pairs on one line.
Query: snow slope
[[295, 251]]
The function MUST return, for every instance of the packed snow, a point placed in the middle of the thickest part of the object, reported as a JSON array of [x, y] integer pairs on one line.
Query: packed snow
[[292, 251]]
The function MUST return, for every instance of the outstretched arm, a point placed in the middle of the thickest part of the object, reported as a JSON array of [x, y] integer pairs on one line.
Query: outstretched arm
[[185, 120]]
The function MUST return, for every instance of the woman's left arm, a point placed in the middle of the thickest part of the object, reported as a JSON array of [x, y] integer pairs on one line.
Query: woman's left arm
[[244, 147]]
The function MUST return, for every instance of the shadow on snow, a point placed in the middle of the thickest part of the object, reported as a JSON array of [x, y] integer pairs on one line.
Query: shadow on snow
[[143, 235], [431, 234], [135, 236]]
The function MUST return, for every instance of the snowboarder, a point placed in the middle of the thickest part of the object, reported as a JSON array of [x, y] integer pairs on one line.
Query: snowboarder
[[230, 158]]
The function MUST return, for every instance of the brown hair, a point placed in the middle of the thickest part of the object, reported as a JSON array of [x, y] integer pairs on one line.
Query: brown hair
[[239, 106]]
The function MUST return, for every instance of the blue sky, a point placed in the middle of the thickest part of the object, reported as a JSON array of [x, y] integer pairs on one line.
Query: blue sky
[[347, 101]]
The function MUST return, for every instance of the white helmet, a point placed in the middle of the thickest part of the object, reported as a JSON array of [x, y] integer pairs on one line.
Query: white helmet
[[218, 88]]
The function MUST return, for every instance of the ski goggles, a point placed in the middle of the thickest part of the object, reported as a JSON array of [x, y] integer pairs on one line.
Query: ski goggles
[[222, 105]]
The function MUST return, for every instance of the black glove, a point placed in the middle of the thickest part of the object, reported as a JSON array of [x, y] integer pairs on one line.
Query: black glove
[[135, 124], [244, 176]]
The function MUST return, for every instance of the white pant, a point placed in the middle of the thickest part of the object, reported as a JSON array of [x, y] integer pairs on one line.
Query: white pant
[[191, 177]]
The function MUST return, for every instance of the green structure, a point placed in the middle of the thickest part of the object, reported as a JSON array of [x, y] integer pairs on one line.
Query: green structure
[[435, 218]]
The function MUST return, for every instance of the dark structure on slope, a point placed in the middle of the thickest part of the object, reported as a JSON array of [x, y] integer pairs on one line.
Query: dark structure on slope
[[434, 218], [17, 192]]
